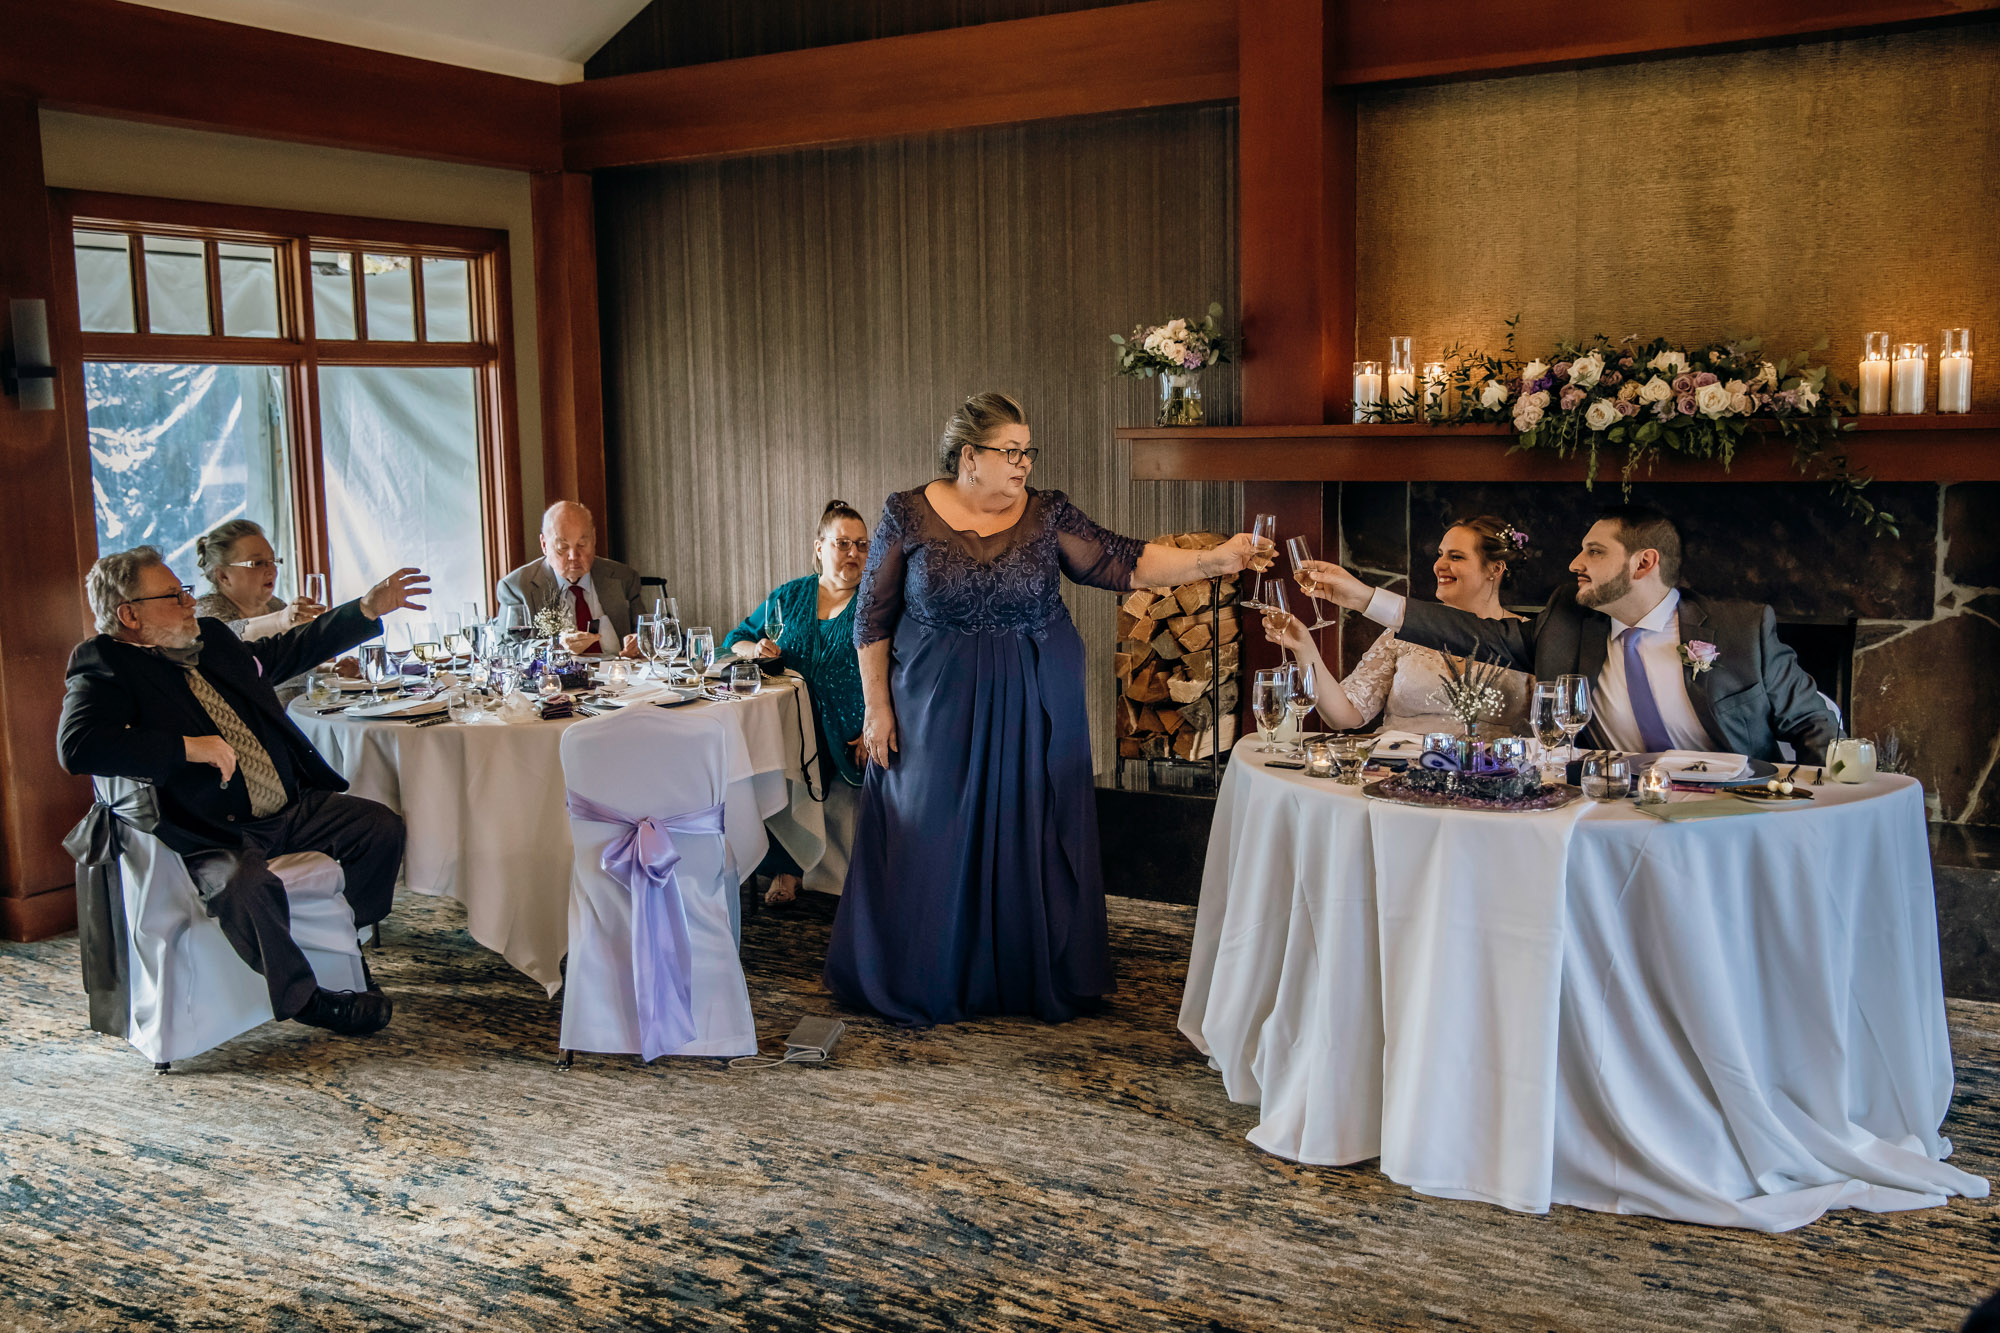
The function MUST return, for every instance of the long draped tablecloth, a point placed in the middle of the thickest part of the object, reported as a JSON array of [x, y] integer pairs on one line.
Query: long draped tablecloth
[[1736, 1021], [487, 824]]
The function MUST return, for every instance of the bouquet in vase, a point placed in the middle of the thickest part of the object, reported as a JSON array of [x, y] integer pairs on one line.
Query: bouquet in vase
[[1471, 690], [1177, 352]]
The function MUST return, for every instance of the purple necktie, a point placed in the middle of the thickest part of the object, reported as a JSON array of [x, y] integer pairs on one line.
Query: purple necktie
[[1653, 736]]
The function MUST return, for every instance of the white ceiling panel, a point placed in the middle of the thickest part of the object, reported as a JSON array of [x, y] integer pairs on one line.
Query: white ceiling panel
[[546, 40]]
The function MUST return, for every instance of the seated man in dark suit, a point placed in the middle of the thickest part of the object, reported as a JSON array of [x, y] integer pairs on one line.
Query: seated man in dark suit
[[599, 598], [1668, 670], [187, 706]]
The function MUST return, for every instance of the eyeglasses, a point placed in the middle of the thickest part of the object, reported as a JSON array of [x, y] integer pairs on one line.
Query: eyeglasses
[[186, 594], [846, 547], [272, 563], [1016, 456]]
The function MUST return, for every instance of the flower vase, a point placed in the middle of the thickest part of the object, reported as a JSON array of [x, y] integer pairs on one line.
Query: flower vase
[[1180, 398]]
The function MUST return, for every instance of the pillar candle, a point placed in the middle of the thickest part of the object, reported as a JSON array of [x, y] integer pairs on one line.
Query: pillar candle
[[1402, 388], [1367, 388], [1874, 387], [1955, 384], [1907, 389]]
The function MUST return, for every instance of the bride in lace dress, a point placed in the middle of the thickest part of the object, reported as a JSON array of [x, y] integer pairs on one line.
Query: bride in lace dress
[[1398, 679]]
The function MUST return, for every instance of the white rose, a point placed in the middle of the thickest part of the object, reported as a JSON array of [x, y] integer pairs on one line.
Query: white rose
[[1741, 405], [1807, 395], [1628, 391], [1526, 416], [1656, 390], [1711, 400], [1494, 394], [1601, 414], [1669, 363], [1533, 371], [1585, 371], [1736, 387], [1540, 398]]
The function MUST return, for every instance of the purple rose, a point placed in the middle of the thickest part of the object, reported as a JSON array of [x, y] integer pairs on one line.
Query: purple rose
[[1704, 379], [1571, 397], [1626, 409], [1612, 380], [1788, 398], [1683, 383], [1560, 370], [1685, 404]]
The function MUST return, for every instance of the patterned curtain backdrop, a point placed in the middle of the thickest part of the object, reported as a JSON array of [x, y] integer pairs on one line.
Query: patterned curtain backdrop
[[783, 330]]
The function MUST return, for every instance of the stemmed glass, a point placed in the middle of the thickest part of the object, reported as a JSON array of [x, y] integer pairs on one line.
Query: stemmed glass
[[1301, 552], [1301, 699], [1572, 707], [1542, 716], [1270, 689], [1277, 606], [774, 623], [425, 645], [1264, 528], [646, 630], [700, 646], [667, 644], [376, 669]]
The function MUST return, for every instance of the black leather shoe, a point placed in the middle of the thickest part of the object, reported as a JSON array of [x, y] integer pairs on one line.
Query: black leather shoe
[[350, 1013]]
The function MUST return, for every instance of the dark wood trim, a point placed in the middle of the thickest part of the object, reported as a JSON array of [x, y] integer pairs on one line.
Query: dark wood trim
[[43, 617], [98, 211], [39, 916], [1374, 42], [1119, 58], [573, 454], [1926, 449], [147, 64], [500, 470]]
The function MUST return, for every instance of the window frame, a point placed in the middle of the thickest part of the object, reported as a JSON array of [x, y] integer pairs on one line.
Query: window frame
[[298, 349]]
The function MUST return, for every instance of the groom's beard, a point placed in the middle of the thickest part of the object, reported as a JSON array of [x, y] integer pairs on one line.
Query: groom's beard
[[1594, 594]]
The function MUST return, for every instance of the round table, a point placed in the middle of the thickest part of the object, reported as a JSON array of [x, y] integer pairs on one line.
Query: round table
[[1735, 1021], [484, 806]]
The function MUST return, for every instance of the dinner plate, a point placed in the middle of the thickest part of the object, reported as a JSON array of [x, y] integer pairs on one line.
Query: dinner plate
[[1761, 770], [1766, 799], [350, 685], [397, 708], [1374, 792]]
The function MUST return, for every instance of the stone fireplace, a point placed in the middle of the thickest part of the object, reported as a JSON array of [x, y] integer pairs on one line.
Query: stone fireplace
[[1903, 633]]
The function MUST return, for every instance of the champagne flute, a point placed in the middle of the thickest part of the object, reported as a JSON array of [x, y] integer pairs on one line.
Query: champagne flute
[[315, 588], [1301, 552], [1301, 699], [1277, 606], [774, 622], [1264, 528], [1572, 707], [1269, 689]]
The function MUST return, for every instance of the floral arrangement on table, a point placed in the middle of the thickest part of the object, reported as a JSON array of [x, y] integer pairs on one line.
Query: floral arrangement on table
[[1177, 352], [1651, 398], [1471, 690]]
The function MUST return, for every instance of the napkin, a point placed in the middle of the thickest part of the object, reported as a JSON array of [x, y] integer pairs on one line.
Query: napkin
[[1703, 766]]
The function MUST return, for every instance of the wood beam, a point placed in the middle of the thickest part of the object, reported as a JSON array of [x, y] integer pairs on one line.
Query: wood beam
[[1120, 58], [42, 617], [137, 63], [573, 466], [1416, 41]]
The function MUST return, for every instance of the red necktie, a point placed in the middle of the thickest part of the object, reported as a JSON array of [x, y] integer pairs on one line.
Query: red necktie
[[582, 608]]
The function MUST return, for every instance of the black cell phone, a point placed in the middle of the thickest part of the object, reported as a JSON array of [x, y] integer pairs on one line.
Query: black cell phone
[[1283, 763]]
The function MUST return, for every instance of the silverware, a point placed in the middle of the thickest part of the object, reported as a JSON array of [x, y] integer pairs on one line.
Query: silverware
[[1819, 776], [432, 721]]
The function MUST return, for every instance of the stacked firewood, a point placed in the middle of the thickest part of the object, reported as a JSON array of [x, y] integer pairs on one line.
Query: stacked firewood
[[1173, 645]]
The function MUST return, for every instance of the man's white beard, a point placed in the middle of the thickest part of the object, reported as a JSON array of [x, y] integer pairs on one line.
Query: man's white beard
[[174, 638], [1596, 594]]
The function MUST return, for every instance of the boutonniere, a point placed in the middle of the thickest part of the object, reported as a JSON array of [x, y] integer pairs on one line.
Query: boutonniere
[[1697, 656]]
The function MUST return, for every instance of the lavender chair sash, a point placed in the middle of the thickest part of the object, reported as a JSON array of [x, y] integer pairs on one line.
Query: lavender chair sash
[[643, 858]]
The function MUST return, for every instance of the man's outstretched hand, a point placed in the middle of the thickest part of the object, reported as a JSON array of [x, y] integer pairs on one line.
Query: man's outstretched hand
[[396, 593]]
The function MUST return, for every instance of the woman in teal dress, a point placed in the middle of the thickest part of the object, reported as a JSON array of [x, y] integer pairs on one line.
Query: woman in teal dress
[[815, 637]]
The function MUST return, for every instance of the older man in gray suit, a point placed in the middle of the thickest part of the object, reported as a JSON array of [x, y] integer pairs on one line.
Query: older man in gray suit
[[599, 598], [1667, 669]]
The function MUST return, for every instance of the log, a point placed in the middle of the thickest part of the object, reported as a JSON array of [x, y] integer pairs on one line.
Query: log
[[1231, 627], [1128, 748], [1227, 658], [1167, 647], [1121, 665], [1193, 596], [1136, 602], [1199, 663], [1197, 637], [1128, 717], [1170, 720], [1187, 691], [1148, 687]]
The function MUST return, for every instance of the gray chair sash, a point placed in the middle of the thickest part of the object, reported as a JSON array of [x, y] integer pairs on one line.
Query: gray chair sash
[[96, 843]]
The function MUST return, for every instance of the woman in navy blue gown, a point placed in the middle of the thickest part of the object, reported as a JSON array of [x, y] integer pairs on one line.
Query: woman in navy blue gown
[[974, 886]]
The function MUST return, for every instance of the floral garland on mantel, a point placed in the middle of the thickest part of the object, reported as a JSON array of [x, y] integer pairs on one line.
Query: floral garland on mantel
[[1652, 398]]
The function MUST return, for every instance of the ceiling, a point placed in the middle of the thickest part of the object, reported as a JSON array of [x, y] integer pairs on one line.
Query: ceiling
[[547, 40]]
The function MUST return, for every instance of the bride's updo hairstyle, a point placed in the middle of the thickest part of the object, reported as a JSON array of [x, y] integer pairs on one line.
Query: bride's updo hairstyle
[[975, 420], [1499, 542]]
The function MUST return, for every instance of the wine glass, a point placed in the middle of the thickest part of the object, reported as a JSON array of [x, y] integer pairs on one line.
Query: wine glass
[[1302, 697], [451, 633], [1269, 690], [700, 646], [1264, 528], [1572, 707], [424, 643], [1542, 719], [514, 622], [376, 668], [315, 588], [667, 644], [774, 623], [1300, 551], [646, 629]]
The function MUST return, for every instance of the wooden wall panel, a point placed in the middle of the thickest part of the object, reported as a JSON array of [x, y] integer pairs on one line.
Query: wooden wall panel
[[1826, 189], [788, 329]]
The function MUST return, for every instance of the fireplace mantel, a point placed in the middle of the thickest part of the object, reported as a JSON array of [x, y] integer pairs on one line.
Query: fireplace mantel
[[1914, 448]]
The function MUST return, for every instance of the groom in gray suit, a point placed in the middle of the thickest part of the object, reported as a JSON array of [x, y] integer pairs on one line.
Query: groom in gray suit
[[599, 597], [1668, 670]]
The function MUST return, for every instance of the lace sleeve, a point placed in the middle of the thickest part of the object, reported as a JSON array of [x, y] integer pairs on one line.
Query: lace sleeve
[[878, 603], [1093, 556], [1367, 686]]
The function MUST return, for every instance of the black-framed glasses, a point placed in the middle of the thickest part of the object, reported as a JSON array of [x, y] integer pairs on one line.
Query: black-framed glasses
[[845, 546], [1013, 455], [184, 594]]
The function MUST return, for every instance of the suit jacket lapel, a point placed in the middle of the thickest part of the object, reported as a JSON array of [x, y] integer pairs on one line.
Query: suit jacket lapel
[[1694, 622]]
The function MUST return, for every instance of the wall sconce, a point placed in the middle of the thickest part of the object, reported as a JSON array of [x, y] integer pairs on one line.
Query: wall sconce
[[25, 369]]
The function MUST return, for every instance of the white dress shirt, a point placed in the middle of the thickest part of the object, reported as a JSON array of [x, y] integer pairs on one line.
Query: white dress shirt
[[1610, 705], [591, 604]]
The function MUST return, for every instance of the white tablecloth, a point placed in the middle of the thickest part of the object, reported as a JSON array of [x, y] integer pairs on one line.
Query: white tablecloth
[[1736, 1021], [484, 806]]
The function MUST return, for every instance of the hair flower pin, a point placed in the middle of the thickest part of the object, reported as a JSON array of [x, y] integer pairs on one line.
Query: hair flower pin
[[1514, 537], [1698, 656]]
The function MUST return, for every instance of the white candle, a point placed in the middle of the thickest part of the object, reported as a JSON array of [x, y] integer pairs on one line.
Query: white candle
[[1907, 394], [1402, 388], [1874, 387], [1955, 384], [1434, 382], [1367, 392]]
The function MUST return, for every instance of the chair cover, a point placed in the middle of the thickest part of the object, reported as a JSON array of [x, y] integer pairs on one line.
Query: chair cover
[[187, 990], [651, 763]]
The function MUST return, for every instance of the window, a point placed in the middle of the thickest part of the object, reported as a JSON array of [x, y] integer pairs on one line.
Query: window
[[342, 382]]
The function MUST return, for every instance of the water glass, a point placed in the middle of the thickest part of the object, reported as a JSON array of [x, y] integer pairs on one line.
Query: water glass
[[1350, 757], [646, 630], [1572, 707], [742, 678], [1269, 689], [701, 649], [1851, 759], [1606, 777], [1303, 694], [376, 668]]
